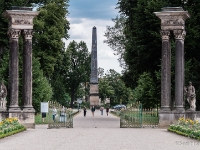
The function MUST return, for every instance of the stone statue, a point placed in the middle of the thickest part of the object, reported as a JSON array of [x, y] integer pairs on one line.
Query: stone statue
[[191, 96], [3, 94]]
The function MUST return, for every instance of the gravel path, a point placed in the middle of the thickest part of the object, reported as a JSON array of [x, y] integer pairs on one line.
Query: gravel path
[[97, 133]]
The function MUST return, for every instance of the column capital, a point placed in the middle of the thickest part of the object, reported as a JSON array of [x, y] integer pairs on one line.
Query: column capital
[[165, 34], [28, 34], [14, 33], [179, 34]]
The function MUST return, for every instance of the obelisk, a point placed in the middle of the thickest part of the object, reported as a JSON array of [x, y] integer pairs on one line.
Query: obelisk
[[94, 89]]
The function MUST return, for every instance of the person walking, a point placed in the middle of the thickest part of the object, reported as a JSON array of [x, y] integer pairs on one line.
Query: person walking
[[101, 109], [84, 111], [93, 110], [54, 112], [43, 116], [107, 110]]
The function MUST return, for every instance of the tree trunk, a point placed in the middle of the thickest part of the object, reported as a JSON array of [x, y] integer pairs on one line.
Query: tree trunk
[[72, 99], [1, 51]]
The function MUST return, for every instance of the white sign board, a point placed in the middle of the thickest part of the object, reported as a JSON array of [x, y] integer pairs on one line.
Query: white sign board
[[44, 107], [79, 101]]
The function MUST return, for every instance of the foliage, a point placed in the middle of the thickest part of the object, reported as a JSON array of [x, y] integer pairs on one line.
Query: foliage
[[145, 91], [142, 38], [10, 126], [186, 127], [50, 27], [86, 104], [42, 91], [141, 44], [74, 68], [116, 38], [111, 86]]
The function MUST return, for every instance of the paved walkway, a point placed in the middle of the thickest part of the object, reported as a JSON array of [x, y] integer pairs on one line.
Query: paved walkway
[[97, 133]]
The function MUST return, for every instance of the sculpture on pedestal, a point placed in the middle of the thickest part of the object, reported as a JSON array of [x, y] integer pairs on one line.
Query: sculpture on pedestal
[[191, 96], [3, 94]]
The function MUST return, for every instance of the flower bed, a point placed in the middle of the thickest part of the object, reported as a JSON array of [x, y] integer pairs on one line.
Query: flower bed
[[186, 127], [10, 126]]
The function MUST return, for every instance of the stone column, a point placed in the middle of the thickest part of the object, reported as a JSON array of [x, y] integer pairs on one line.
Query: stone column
[[165, 71], [179, 69], [27, 70], [13, 69]]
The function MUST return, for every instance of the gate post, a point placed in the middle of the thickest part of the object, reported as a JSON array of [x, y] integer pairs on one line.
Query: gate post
[[172, 19], [21, 21]]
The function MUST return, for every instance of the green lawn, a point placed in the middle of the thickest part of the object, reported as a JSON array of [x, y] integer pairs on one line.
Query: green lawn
[[38, 119]]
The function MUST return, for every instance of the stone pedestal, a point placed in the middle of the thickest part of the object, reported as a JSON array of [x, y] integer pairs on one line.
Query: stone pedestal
[[26, 118], [168, 118], [3, 114], [94, 95]]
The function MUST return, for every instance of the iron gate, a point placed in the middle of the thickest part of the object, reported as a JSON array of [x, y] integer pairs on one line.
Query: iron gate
[[59, 116], [136, 117]]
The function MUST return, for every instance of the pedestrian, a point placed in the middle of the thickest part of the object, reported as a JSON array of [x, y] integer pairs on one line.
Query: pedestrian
[[101, 109], [43, 116], [54, 112], [62, 114], [93, 110], [107, 110], [84, 111]]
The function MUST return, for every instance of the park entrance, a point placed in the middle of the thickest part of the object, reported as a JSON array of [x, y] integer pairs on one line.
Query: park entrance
[[137, 117]]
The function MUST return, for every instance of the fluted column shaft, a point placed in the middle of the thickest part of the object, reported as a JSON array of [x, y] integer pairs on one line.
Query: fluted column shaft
[[27, 70], [13, 68], [165, 71], [179, 69]]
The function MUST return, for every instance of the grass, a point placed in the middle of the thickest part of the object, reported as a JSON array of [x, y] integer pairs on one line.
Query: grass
[[38, 119]]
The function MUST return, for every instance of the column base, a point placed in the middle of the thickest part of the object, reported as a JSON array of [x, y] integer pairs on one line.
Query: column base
[[28, 108], [180, 109], [26, 118], [165, 109], [3, 114], [14, 108], [166, 119]]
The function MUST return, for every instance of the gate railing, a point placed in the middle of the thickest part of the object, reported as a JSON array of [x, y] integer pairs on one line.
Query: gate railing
[[136, 117], [60, 117]]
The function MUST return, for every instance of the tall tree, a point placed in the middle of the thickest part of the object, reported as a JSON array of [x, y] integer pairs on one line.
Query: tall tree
[[143, 46], [116, 39], [111, 86], [78, 67], [50, 26]]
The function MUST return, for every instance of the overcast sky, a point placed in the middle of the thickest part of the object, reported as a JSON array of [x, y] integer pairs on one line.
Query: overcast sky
[[84, 15]]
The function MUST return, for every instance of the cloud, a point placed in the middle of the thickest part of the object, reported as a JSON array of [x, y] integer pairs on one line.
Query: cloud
[[95, 9], [84, 15], [82, 31]]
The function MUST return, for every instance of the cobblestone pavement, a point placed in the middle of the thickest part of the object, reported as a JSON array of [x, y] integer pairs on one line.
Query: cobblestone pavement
[[97, 133]]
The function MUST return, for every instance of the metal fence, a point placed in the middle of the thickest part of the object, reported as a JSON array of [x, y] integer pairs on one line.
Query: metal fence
[[59, 116], [137, 117]]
